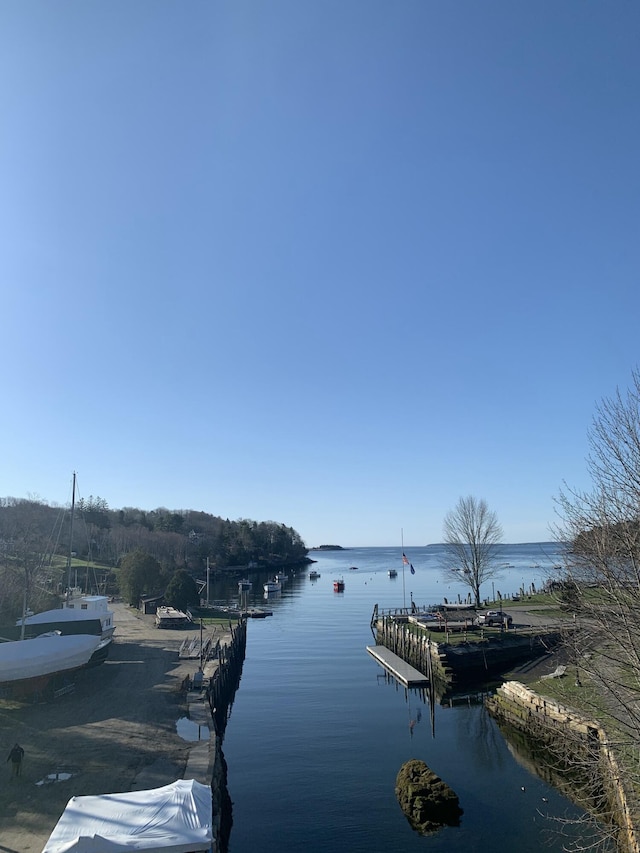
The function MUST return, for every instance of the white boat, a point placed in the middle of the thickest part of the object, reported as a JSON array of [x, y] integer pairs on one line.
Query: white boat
[[55, 642], [88, 614], [281, 577], [32, 663], [273, 586], [176, 818], [169, 617], [313, 575]]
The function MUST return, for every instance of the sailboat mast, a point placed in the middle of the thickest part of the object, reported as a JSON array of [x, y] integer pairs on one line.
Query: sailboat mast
[[73, 508]]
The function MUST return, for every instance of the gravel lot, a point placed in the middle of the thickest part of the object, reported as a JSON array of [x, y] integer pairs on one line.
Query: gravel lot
[[115, 733]]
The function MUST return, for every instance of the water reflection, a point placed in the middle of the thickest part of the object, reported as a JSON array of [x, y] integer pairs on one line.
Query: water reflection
[[51, 778], [192, 731]]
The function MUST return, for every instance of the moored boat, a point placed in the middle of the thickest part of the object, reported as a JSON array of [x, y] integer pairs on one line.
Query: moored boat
[[338, 585], [392, 573], [273, 586], [313, 575]]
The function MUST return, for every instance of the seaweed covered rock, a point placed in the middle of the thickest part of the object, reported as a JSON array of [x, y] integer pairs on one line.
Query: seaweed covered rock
[[427, 801]]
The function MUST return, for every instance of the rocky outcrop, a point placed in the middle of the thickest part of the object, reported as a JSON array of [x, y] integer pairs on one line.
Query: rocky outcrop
[[427, 801]]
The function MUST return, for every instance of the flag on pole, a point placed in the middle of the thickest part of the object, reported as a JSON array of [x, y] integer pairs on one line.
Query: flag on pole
[[413, 571], [404, 559]]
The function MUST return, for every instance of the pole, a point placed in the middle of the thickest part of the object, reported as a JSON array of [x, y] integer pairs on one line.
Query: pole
[[73, 506], [404, 597], [207, 581]]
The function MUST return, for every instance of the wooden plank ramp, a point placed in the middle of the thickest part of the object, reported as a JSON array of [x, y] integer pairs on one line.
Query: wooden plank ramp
[[403, 671]]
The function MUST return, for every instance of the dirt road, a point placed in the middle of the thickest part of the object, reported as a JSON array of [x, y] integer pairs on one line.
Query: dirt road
[[115, 733]]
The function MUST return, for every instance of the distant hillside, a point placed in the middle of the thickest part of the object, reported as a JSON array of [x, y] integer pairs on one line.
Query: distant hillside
[[176, 538]]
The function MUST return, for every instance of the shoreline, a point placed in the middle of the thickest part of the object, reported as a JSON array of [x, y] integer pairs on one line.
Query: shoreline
[[116, 732]]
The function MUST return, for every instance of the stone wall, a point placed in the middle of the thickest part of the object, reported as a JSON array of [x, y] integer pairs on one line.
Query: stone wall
[[574, 740]]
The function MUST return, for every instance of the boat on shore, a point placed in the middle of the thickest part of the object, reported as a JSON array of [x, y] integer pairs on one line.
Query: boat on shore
[[169, 617], [30, 665], [42, 646], [171, 819], [84, 614]]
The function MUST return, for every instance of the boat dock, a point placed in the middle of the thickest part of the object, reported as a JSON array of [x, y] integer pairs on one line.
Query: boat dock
[[404, 672], [256, 613]]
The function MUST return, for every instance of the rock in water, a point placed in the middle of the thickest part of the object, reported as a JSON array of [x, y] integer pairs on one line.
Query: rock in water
[[427, 801]]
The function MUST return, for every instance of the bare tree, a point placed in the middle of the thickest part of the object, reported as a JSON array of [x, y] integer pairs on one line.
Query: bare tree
[[601, 527], [471, 534], [25, 541]]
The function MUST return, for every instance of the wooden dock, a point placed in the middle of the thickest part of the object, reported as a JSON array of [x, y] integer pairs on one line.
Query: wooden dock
[[403, 671]]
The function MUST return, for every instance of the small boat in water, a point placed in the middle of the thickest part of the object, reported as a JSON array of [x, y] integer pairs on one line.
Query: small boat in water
[[392, 573], [338, 586], [273, 586], [281, 577], [313, 575], [353, 568]]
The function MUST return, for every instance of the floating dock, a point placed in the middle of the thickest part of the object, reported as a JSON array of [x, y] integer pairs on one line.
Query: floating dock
[[256, 613], [404, 672]]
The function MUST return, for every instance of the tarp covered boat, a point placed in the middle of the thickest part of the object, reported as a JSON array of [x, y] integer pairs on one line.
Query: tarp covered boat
[[176, 818], [49, 654]]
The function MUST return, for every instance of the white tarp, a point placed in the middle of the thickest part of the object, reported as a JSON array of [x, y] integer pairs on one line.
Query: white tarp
[[45, 655], [176, 818]]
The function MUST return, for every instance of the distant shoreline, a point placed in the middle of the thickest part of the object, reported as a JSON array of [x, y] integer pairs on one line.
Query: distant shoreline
[[550, 542], [328, 548]]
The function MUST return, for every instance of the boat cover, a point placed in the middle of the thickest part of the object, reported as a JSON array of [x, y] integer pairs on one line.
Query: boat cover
[[44, 655], [176, 818]]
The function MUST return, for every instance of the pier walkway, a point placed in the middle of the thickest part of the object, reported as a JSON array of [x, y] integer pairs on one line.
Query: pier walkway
[[404, 672]]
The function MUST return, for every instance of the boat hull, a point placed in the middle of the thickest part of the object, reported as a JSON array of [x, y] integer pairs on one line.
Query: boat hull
[[29, 665]]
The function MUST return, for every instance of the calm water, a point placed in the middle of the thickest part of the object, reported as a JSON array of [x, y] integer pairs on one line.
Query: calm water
[[317, 733]]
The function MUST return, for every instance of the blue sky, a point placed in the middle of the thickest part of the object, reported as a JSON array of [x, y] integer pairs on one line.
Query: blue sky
[[329, 264]]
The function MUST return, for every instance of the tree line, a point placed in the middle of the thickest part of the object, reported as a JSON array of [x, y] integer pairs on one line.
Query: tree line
[[36, 538]]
